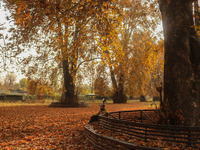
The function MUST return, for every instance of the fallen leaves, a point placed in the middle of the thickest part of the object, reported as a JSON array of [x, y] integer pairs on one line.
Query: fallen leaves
[[41, 127]]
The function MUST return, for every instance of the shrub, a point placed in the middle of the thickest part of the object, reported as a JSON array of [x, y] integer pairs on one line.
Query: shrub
[[156, 98], [142, 98]]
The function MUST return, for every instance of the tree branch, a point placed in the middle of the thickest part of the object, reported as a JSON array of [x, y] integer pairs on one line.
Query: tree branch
[[84, 62]]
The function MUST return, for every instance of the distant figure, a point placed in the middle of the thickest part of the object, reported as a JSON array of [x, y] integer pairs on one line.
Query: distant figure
[[104, 101], [102, 112]]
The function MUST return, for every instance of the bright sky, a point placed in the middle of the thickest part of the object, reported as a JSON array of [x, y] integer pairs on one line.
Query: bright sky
[[3, 14]]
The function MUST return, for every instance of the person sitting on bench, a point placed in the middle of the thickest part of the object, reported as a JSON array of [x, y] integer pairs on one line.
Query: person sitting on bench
[[102, 112]]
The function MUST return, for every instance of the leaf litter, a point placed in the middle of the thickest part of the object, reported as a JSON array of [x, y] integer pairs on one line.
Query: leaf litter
[[42, 127]]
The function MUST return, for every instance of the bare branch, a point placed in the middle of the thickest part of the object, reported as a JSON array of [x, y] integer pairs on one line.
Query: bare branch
[[84, 62]]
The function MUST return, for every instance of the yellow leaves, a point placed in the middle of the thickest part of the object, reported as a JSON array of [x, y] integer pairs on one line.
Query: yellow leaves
[[95, 27], [152, 6], [105, 49], [69, 35], [26, 17], [69, 20], [36, 87], [19, 21], [103, 63], [21, 6]]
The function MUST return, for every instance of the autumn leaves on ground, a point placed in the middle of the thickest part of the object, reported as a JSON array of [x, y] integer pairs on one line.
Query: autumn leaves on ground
[[42, 127]]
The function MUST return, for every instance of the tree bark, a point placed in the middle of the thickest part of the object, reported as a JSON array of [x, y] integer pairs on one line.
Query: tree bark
[[118, 96], [69, 97], [69, 93], [181, 72]]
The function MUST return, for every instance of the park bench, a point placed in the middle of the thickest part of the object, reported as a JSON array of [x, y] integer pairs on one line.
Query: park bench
[[106, 142], [83, 104], [119, 124]]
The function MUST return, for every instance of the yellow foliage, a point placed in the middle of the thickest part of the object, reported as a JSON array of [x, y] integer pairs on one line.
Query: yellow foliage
[[119, 28]]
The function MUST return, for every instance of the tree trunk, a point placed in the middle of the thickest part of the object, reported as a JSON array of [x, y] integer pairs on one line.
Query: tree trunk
[[69, 93], [69, 97], [119, 95], [181, 73]]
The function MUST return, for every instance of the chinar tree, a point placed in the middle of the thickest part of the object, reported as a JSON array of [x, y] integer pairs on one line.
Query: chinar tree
[[182, 62], [118, 47], [58, 29]]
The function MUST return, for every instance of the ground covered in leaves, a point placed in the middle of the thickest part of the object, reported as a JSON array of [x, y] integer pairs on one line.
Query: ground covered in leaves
[[42, 127], [160, 144]]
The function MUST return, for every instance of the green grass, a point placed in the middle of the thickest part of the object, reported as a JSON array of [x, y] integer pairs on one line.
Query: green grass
[[149, 103], [19, 103], [47, 102], [95, 101]]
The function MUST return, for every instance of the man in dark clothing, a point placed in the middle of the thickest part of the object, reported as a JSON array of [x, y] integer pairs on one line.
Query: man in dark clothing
[[102, 112]]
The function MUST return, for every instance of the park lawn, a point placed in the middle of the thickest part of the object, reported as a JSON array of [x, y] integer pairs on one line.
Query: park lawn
[[42, 127]]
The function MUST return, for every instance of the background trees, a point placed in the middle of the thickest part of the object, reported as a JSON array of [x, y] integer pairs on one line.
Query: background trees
[[65, 36], [127, 48], [63, 25], [146, 67], [10, 79], [6, 50], [39, 88], [23, 83], [101, 83]]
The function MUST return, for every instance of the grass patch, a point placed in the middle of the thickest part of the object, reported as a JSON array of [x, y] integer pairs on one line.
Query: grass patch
[[20, 103], [96, 101], [149, 104]]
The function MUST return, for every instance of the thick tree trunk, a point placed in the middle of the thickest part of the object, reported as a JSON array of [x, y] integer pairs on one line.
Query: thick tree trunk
[[69, 97], [118, 96], [181, 74], [69, 93]]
